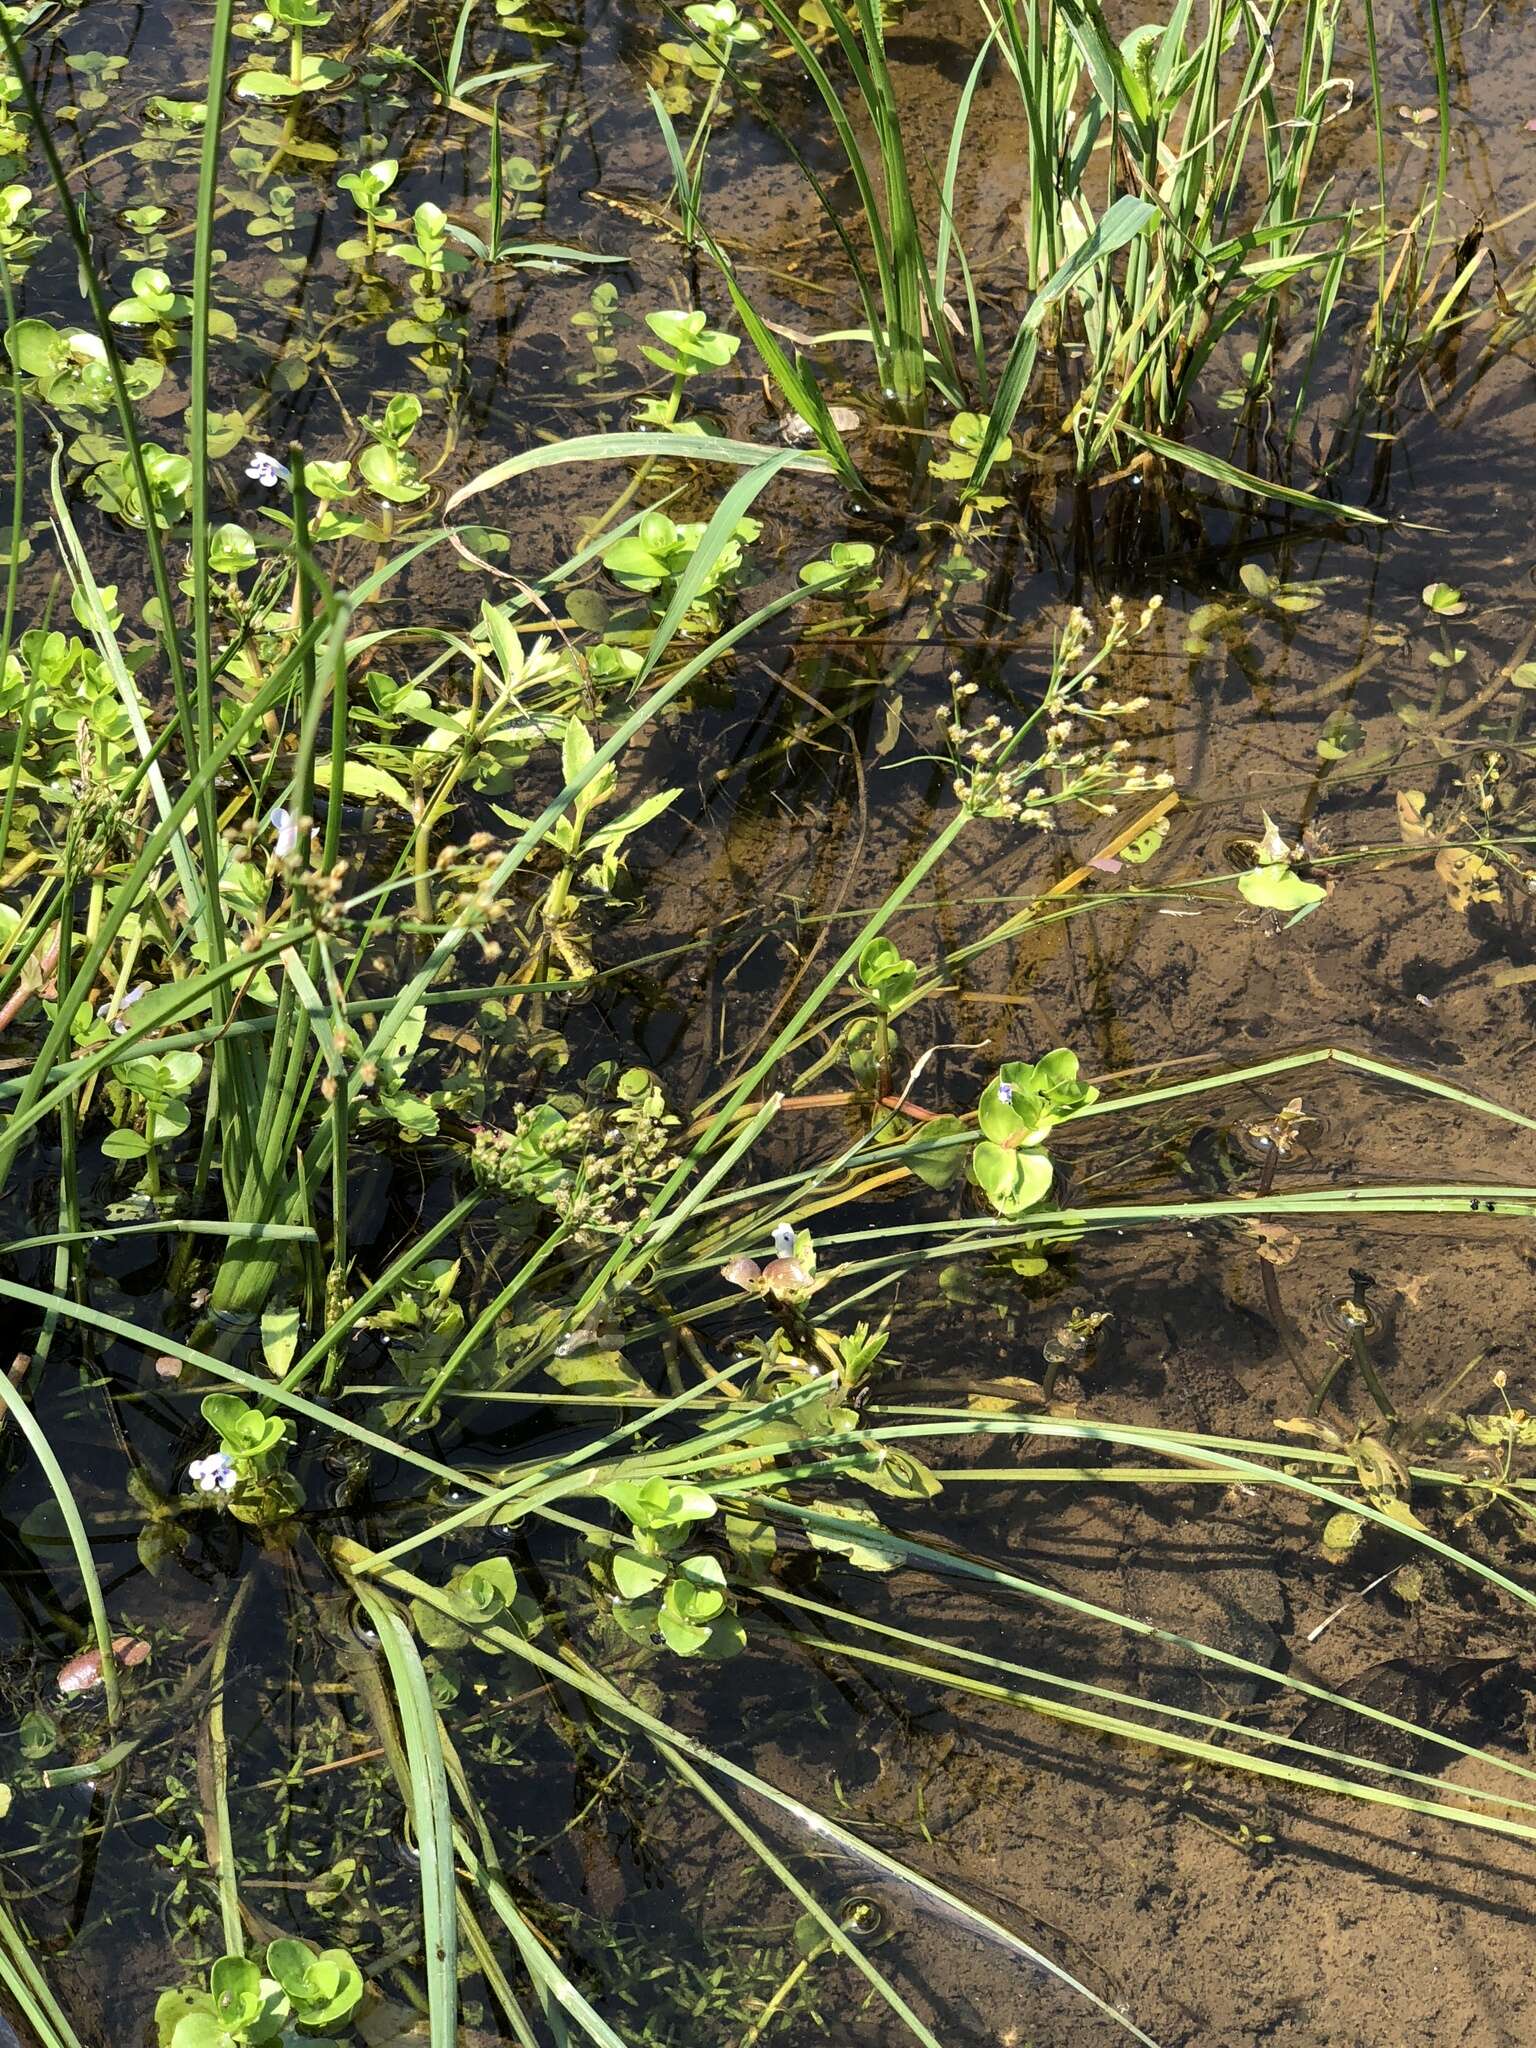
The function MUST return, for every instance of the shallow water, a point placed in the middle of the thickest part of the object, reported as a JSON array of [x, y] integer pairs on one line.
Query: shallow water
[[1209, 1911]]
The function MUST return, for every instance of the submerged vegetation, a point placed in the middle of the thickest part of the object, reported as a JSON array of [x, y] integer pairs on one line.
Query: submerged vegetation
[[511, 1257]]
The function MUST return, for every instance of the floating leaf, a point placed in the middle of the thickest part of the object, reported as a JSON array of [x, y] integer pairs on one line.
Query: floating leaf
[[600, 1373], [1275, 887], [1011, 1180], [1025, 1394], [1342, 734], [1255, 581], [753, 1545], [937, 1169], [1341, 1533], [1145, 844]]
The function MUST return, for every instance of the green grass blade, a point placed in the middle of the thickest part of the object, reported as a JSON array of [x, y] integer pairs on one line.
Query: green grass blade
[[16, 1408], [619, 447], [1291, 1063], [794, 377], [1120, 225], [260, 1390], [429, 1813], [355, 1558], [25, 1982], [1239, 480]]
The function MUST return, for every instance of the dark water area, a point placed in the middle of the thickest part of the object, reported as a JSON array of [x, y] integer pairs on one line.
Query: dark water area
[[1218, 1911]]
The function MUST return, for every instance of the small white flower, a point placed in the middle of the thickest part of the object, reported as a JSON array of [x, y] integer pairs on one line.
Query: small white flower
[[286, 826], [784, 1241], [1005, 1092], [267, 471], [214, 1474]]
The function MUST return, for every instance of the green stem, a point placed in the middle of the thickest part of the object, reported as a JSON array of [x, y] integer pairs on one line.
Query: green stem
[[63, 1492], [209, 910], [1369, 1374], [221, 1849]]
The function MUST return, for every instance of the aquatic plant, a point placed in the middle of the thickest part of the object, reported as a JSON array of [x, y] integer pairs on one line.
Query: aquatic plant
[[1146, 244], [510, 1369]]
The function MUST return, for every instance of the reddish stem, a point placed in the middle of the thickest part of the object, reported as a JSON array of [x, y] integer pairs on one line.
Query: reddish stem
[[18, 999]]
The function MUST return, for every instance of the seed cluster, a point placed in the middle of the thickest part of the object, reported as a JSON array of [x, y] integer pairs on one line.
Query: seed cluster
[[1079, 763], [593, 1166]]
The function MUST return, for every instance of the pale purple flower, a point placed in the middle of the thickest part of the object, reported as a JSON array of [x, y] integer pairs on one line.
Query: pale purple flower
[[266, 470], [214, 1474], [1005, 1092], [118, 1011]]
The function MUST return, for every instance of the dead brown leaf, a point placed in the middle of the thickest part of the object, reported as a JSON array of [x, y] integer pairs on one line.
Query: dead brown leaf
[[1466, 877], [83, 1673], [1412, 818], [1273, 1241]]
